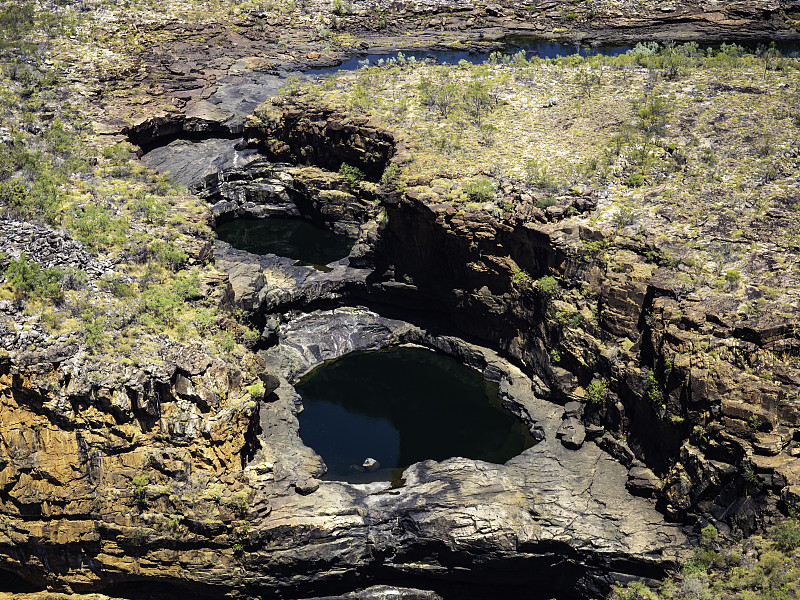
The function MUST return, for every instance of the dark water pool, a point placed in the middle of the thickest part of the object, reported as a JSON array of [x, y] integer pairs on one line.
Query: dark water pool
[[540, 48], [299, 239], [402, 406], [536, 47]]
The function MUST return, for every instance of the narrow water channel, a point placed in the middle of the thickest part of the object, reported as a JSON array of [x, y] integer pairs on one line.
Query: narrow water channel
[[401, 406]]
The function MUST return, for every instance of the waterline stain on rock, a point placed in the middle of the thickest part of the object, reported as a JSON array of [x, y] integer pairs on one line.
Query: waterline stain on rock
[[400, 406], [299, 239]]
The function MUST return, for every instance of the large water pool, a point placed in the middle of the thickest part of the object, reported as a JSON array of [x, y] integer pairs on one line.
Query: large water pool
[[401, 406]]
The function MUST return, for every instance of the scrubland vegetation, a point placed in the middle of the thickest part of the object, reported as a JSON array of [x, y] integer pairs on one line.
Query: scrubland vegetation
[[690, 150], [55, 172], [758, 568]]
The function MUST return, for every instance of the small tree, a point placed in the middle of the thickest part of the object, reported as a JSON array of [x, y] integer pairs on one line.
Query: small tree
[[597, 391], [477, 100], [28, 280], [139, 494]]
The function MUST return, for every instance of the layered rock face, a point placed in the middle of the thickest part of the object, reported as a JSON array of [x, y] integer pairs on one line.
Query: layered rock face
[[76, 436], [172, 473], [684, 394], [183, 475]]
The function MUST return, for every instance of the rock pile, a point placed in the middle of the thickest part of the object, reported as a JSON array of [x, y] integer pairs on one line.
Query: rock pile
[[49, 247]]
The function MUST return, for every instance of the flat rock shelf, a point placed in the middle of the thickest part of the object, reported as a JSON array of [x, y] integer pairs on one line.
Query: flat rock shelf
[[372, 414]]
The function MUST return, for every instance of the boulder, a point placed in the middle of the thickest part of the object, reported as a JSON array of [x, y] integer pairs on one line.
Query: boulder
[[643, 482], [571, 433], [306, 486]]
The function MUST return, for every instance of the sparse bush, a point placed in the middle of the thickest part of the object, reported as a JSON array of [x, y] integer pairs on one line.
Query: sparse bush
[[732, 276], [94, 328], [654, 389], [118, 287], [167, 254], [149, 208], [597, 391], [353, 175], [391, 175], [139, 493], [786, 535], [536, 174], [28, 280], [479, 189], [545, 202], [548, 287], [94, 226], [520, 276]]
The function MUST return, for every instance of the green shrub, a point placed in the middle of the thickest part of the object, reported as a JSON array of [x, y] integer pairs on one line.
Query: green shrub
[[119, 153], [94, 226], [708, 537], [479, 189], [597, 391], [568, 318], [733, 276], [635, 180], [226, 342], [653, 389], [94, 326], [162, 305], [139, 494], [520, 276], [391, 175], [28, 280], [115, 285], [353, 175], [187, 287], [536, 174], [786, 535], [256, 390], [149, 208], [548, 287], [169, 255], [545, 202]]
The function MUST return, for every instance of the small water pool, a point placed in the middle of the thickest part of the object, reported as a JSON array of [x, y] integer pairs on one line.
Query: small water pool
[[401, 406], [299, 239]]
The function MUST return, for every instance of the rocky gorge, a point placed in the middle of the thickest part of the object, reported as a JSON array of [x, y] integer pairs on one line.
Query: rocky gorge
[[659, 410]]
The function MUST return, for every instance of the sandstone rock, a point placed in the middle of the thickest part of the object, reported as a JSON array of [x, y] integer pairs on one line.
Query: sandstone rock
[[643, 482], [571, 433], [382, 592], [306, 486], [202, 113], [594, 431], [616, 448], [573, 409]]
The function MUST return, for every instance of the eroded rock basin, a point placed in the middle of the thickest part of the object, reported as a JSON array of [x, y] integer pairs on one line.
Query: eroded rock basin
[[459, 520], [372, 414]]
